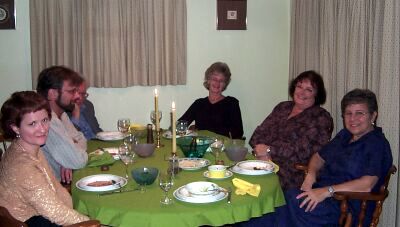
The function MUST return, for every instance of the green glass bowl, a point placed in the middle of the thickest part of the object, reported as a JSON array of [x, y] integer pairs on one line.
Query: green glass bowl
[[145, 175], [194, 146]]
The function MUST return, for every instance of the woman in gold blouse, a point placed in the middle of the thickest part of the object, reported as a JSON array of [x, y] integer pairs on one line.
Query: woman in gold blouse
[[28, 188]]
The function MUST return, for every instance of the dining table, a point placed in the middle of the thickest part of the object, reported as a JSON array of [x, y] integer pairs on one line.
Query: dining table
[[143, 208]]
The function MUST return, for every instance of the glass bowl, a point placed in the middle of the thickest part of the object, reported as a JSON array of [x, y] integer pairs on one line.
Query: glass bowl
[[145, 175], [144, 149], [194, 146]]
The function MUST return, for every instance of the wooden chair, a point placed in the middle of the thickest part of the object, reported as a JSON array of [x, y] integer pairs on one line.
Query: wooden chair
[[7, 220], [346, 218]]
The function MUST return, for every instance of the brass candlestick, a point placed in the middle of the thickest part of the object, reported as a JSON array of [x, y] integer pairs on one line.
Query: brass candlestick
[[158, 139]]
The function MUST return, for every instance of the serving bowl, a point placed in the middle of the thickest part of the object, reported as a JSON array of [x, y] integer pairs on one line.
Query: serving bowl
[[194, 146], [145, 175], [236, 153], [144, 149]]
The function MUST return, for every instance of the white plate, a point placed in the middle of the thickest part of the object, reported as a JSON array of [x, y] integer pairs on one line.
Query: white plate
[[193, 163], [83, 183], [201, 188], [168, 134], [253, 167], [227, 175], [110, 136], [113, 151], [182, 194]]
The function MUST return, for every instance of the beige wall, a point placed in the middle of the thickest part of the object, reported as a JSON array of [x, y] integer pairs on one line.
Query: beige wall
[[258, 57]]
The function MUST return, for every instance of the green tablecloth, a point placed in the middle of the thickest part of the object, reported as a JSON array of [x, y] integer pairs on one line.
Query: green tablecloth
[[144, 209]]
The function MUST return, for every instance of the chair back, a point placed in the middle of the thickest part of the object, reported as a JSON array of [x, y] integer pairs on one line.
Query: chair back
[[7, 220], [378, 198]]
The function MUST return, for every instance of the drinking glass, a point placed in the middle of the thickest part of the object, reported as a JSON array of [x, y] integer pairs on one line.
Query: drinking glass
[[126, 155], [153, 116], [216, 147], [181, 127], [123, 125], [166, 182], [130, 140]]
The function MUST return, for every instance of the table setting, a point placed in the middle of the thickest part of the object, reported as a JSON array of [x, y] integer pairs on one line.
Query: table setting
[[188, 179]]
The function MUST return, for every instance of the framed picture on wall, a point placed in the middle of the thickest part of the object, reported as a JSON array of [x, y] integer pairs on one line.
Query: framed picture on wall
[[7, 14], [231, 14]]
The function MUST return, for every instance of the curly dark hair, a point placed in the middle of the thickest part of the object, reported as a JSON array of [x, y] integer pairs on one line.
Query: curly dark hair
[[19, 104], [316, 81], [360, 96], [217, 67], [54, 77]]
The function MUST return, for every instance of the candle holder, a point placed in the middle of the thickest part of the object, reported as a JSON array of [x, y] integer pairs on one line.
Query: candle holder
[[173, 167], [158, 139]]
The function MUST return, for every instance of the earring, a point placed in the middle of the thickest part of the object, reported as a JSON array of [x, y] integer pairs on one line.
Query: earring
[[18, 135], [372, 123]]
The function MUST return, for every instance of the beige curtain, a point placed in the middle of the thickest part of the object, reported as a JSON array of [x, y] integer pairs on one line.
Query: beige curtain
[[113, 43], [353, 44]]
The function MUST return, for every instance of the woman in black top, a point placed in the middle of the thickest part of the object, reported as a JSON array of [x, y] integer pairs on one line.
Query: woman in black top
[[216, 112]]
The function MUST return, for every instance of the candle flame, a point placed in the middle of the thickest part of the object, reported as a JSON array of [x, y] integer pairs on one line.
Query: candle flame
[[156, 92], [173, 105]]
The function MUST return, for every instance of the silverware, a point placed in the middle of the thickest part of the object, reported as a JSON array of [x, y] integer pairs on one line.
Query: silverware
[[118, 191], [229, 194]]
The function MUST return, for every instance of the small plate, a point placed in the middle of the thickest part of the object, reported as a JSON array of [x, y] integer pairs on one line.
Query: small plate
[[227, 175], [110, 136], [193, 163], [168, 134], [105, 182], [113, 151]]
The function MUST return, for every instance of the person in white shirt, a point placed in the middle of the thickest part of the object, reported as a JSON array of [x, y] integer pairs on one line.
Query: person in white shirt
[[65, 147]]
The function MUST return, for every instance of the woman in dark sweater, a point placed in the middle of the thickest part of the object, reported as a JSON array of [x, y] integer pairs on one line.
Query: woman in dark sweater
[[216, 112]]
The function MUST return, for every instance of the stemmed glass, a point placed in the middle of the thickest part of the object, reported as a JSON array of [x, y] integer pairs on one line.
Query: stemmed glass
[[181, 127], [216, 147], [123, 125], [166, 182], [126, 155], [153, 116]]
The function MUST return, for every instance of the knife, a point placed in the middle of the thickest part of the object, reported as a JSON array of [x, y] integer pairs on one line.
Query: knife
[[229, 194], [118, 191]]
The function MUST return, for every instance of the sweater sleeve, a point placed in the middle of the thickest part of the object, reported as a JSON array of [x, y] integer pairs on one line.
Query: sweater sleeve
[[189, 115], [236, 125]]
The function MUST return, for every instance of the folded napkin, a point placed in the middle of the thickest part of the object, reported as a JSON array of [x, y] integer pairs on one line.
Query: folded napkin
[[243, 187], [100, 159]]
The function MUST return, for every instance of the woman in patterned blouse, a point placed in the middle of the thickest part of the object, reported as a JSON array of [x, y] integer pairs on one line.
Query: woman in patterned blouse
[[296, 129]]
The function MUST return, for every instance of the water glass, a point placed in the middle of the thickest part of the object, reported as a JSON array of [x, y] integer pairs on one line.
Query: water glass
[[181, 127], [165, 181], [123, 125], [153, 117]]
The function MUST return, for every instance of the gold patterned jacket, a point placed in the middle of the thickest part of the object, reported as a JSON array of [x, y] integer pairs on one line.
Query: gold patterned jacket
[[29, 188]]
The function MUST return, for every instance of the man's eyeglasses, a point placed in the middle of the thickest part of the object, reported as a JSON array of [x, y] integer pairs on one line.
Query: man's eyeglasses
[[357, 114], [84, 94], [71, 92]]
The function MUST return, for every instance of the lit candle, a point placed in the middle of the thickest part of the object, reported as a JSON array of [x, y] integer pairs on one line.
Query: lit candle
[[173, 124], [156, 109]]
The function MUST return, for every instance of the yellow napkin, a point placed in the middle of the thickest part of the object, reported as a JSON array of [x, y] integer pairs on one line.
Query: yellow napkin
[[243, 187]]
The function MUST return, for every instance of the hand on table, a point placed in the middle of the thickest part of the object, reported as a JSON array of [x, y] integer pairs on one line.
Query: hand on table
[[66, 175], [312, 198], [260, 151]]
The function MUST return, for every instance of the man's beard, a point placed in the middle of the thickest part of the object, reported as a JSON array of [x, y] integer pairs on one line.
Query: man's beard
[[70, 107]]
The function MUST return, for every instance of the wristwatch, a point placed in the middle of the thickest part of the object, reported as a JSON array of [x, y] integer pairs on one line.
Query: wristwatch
[[331, 190]]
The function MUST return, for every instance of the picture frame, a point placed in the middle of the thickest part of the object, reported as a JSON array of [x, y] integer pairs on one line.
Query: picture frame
[[231, 14], [7, 14]]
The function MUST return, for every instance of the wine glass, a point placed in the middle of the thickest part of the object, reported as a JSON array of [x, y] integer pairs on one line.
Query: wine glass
[[126, 155], [216, 147], [123, 125], [166, 182], [130, 140], [181, 127], [153, 116]]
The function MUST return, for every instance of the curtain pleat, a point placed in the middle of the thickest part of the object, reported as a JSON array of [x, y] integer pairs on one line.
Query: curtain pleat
[[112, 43], [353, 44]]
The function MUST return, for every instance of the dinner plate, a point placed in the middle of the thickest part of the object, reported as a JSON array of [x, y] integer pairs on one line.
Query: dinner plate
[[227, 175], [113, 151], [101, 183], [168, 134], [254, 167], [182, 194], [193, 163], [109, 135]]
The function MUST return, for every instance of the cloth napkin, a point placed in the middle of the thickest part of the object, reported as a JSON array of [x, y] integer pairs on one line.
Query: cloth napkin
[[100, 159], [243, 187]]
